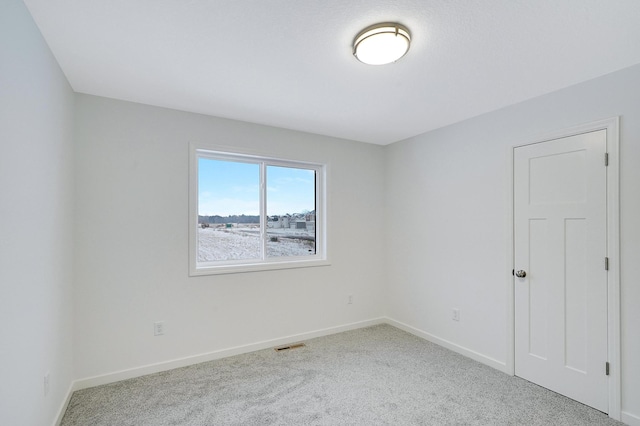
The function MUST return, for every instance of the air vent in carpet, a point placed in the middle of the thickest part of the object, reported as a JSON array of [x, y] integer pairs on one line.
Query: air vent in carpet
[[287, 347]]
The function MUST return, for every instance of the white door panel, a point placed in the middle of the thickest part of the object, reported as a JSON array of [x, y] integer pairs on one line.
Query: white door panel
[[560, 241]]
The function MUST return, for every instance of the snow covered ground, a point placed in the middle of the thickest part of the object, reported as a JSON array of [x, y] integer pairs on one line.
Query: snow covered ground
[[243, 242]]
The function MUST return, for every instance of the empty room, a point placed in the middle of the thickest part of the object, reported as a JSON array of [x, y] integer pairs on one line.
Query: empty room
[[319, 212]]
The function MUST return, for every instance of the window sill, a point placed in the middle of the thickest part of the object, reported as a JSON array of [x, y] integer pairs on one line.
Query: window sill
[[256, 267]]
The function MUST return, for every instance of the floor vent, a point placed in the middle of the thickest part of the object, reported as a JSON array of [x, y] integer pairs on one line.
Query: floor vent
[[287, 347]]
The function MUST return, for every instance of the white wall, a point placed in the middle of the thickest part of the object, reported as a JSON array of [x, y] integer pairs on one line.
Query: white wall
[[131, 253], [451, 185], [36, 223]]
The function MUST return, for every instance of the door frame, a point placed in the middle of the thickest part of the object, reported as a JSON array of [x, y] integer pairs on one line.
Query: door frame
[[611, 125]]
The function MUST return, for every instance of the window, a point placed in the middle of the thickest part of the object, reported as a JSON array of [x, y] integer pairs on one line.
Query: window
[[254, 213]]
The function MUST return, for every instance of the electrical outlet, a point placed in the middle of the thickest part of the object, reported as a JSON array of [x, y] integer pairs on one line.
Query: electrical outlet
[[46, 383], [158, 328], [456, 314], [350, 299]]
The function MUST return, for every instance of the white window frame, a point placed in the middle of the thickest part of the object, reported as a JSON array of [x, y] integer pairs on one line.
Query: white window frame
[[266, 263]]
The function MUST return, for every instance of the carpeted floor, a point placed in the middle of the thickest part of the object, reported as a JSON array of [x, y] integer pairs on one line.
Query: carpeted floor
[[373, 376]]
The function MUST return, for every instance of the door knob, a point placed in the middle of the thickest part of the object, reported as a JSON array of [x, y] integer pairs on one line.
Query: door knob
[[521, 273]]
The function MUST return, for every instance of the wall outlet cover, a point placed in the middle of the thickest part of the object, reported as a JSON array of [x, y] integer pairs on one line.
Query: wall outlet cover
[[158, 328]]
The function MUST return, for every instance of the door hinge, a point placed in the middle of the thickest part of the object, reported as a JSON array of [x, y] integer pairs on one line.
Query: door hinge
[[606, 263], [606, 159], [606, 368]]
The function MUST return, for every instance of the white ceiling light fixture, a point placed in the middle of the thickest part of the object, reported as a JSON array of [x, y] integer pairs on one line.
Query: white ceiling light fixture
[[381, 43]]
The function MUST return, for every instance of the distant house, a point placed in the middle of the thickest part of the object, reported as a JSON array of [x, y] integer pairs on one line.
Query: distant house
[[278, 222]]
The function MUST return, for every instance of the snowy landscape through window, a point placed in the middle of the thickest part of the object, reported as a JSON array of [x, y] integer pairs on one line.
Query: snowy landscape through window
[[252, 210]]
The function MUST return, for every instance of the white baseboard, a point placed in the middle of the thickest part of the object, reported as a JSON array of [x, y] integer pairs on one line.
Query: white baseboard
[[629, 419], [210, 356], [64, 405], [476, 356]]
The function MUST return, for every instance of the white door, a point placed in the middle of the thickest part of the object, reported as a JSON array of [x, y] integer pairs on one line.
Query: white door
[[560, 244]]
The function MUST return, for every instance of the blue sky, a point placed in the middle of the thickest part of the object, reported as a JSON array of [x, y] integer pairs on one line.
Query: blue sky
[[229, 188]]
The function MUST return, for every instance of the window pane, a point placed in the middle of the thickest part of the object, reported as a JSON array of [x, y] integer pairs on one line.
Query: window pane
[[228, 210], [291, 211]]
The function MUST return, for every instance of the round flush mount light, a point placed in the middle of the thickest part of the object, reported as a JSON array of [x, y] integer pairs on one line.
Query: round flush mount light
[[381, 43]]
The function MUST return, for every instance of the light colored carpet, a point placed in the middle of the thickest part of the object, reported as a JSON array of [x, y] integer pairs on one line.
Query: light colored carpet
[[373, 376]]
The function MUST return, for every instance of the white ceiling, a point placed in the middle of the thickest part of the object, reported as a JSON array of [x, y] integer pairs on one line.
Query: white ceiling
[[288, 63]]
